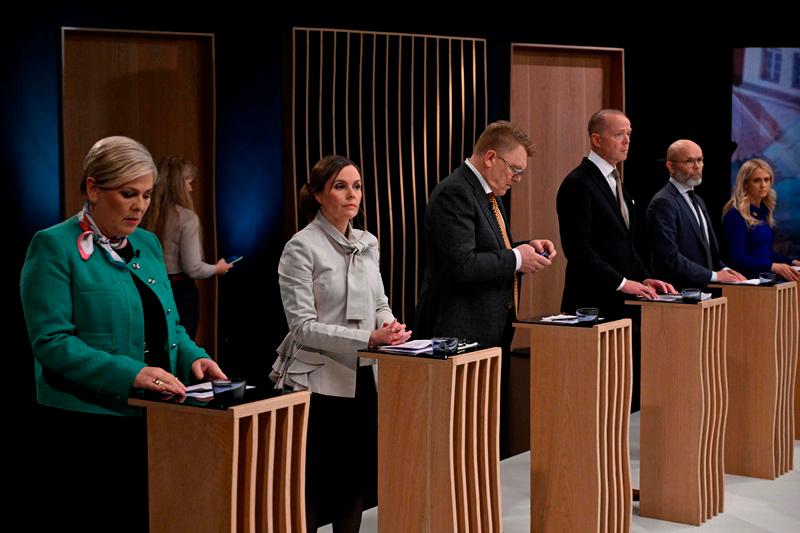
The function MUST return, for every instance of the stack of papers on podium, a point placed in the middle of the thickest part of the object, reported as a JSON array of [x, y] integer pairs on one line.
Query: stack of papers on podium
[[675, 297], [409, 348], [201, 391], [561, 319]]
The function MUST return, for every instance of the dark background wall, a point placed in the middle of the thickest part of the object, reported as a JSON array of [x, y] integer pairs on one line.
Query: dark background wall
[[677, 86]]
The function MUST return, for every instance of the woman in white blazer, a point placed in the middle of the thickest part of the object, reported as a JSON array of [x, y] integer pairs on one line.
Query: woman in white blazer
[[335, 305]]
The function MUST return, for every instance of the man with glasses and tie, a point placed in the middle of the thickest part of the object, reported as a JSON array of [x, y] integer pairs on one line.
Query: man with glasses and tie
[[597, 220], [682, 241], [471, 284]]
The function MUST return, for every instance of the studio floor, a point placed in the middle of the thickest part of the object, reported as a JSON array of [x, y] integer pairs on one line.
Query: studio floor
[[751, 505]]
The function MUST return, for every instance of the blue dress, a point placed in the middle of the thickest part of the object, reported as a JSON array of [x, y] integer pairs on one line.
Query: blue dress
[[749, 250]]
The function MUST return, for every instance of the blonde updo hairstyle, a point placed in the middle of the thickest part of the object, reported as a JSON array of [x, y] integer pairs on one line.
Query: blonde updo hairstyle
[[114, 161]]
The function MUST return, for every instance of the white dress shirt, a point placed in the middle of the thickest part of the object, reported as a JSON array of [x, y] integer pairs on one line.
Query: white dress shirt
[[607, 169]]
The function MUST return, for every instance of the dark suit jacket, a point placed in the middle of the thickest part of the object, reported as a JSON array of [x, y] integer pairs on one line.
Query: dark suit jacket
[[468, 287], [676, 240], [598, 246]]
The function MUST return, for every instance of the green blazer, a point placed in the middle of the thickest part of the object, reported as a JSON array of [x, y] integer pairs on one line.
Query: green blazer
[[86, 323]]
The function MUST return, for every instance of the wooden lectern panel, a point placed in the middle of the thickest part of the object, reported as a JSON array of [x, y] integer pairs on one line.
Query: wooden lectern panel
[[580, 404], [238, 470], [762, 364], [683, 410], [797, 391], [787, 347], [438, 443]]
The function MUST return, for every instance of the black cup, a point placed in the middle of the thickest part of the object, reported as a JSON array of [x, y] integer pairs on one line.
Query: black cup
[[229, 389], [765, 278], [691, 295], [587, 314], [444, 345]]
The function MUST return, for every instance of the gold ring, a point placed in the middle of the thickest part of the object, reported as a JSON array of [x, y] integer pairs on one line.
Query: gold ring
[[157, 381]]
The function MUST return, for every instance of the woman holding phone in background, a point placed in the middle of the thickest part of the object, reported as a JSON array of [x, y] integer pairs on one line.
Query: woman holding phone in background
[[172, 218]]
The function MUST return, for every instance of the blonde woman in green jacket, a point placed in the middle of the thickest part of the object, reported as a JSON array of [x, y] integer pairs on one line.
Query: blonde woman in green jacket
[[102, 323]]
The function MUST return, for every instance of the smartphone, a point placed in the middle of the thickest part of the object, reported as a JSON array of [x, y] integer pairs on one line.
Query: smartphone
[[232, 259]]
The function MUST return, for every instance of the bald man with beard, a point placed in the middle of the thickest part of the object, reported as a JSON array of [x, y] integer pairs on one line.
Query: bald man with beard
[[684, 248]]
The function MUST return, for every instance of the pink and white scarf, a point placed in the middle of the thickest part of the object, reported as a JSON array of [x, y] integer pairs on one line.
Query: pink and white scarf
[[91, 234]]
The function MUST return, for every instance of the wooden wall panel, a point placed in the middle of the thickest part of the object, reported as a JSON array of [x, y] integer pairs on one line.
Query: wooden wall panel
[[554, 91], [157, 88]]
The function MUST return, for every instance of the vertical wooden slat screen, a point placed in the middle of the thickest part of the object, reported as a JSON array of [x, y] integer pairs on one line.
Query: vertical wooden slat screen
[[407, 109]]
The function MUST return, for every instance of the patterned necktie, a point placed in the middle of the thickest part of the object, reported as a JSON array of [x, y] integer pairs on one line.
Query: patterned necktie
[[506, 241], [623, 207], [699, 212]]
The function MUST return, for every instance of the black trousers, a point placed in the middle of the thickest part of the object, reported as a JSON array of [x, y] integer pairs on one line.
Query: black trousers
[[188, 301], [342, 457], [89, 472]]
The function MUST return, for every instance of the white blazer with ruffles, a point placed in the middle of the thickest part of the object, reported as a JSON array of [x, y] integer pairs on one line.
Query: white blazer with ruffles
[[333, 297]]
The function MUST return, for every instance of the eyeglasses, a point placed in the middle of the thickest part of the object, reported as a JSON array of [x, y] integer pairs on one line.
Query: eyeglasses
[[514, 170], [690, 162]]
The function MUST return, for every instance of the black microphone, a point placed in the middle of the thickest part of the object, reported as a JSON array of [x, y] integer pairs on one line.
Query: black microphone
[[137, 253]]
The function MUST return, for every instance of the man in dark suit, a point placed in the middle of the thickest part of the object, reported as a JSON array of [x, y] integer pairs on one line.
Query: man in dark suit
[[597, 221], [471, 275], [471, 280], [682, 241], [597, 227]]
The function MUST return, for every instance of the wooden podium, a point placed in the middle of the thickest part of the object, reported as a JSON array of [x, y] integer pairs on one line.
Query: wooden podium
[[580, 408], [237, 469], [684, 400], [438, 442], [762, 362]]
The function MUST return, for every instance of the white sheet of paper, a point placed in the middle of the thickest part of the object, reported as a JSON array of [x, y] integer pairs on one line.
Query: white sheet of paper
[[561, 319], [411, 347], [201, 391]]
